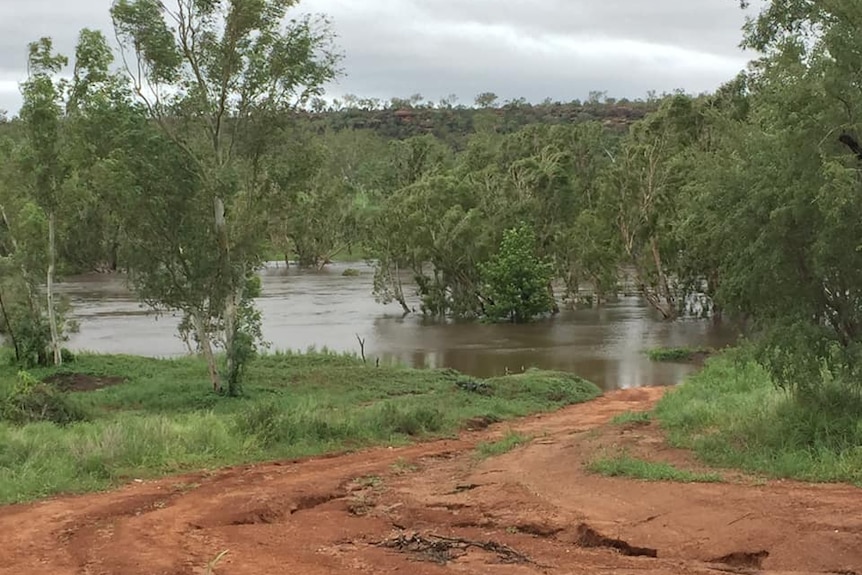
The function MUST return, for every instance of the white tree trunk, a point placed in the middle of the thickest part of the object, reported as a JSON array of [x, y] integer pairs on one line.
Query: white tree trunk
[[230, 311], [52, 315], [205, 342], [666, 304]]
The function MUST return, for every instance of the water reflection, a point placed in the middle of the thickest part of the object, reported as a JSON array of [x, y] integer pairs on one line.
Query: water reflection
[[302, 309]]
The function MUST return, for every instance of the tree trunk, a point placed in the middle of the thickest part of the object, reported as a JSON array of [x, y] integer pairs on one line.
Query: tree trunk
[[230, 313], [665, 300], [399, 290], [10, 328], [206, 347], [52, 315], [555, 309], [229, 304]]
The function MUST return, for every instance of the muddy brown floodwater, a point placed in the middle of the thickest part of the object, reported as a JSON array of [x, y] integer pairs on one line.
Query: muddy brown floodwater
[[302, 309]]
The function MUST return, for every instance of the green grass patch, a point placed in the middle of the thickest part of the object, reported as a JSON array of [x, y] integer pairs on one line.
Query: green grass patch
[[632, 417], [634, 468], [509, 442], [164, 419], [732, 415], [679, 354]]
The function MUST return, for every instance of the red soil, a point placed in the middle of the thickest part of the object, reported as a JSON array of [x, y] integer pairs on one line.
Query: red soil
[[434, 508]]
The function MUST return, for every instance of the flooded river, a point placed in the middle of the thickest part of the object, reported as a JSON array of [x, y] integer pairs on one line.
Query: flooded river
[[303, 309]]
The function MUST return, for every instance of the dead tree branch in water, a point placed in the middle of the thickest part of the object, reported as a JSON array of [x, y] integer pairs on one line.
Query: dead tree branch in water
[[361, 347]]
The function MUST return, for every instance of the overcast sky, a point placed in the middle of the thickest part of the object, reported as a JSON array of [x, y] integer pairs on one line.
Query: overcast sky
[[561, 49]]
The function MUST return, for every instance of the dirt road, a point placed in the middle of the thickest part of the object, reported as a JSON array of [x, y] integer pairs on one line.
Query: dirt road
[[435, 508]]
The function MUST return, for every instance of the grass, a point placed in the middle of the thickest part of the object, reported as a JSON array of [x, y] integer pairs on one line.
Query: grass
[[732, 415], [623, 465], [165, 420], [403, 467], [678, 354], [632, 417], [511, 440]]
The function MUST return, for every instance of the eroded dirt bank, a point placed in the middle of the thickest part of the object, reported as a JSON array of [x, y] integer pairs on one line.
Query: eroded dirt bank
[[434, 508]]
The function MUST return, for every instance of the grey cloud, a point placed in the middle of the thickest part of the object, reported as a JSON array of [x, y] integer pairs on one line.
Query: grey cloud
[[517, 48]]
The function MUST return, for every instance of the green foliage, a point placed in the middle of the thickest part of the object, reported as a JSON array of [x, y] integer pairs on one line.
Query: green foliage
[[732, 414], [162, 419], [632, 417], [30, 400], [558, 388], [23, 320], [624, 465], [516, 283], [249, 333], [510, 441]]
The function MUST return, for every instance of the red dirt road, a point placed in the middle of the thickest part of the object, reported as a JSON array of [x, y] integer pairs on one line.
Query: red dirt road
[[434, 508]]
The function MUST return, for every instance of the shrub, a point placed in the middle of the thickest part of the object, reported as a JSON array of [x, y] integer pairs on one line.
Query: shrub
[[732, 414], [413, 421], [515, 281], [32, 400], [263, 420]]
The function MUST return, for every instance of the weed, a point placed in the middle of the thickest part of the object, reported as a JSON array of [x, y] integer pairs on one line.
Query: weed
[[509, 442], [625, 466], [403, 467], [31, 400], [632, 417], [369, 481]]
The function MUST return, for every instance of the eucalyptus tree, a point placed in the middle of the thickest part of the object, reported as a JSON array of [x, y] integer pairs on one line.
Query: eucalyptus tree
[[549, 175], [390, 225], [647, 186], [219, 77], [795, 169], [39, 183], [42, 113]]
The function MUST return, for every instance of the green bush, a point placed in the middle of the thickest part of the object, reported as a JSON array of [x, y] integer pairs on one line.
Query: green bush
[[25, 323], [732, 414], [411, 420], [264, 421], [32, 400], [515, 281]]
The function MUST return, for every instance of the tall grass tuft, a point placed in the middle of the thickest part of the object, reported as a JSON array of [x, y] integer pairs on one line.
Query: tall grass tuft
[[731, 414]]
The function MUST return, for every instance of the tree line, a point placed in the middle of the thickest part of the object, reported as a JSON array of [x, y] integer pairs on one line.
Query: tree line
[[213, 148]]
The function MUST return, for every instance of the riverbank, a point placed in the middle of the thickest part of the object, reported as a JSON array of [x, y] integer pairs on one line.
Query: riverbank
[[142, 417], [732, 415]]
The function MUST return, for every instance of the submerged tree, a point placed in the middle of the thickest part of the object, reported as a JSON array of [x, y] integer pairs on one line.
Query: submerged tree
[[515, 280], [218, 77]]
